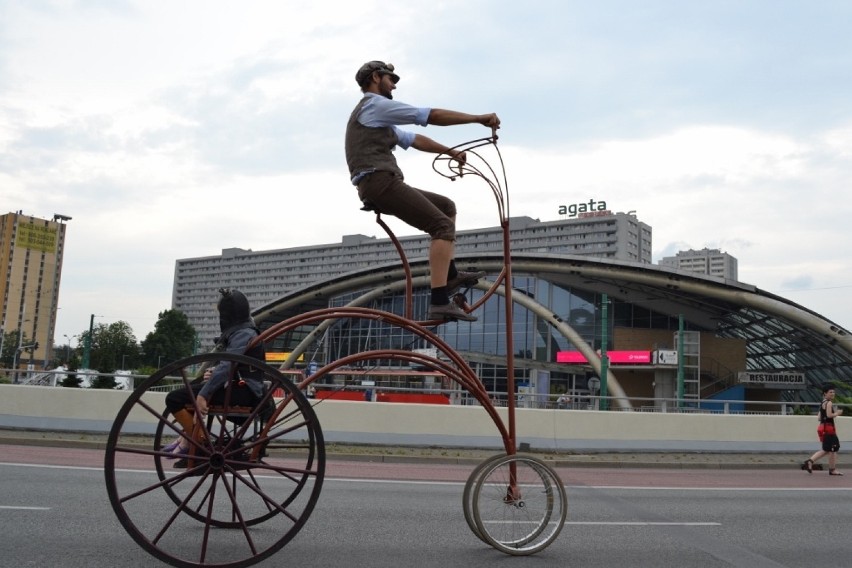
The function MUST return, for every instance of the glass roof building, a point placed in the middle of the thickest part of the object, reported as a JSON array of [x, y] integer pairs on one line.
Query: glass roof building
[[738, 330], [578, 283], [264, 276]]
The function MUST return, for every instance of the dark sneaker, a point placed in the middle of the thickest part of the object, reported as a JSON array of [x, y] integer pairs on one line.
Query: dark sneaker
[[449, 312], [463, 279]]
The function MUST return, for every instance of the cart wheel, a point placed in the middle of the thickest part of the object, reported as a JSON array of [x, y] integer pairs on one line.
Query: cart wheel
[[165, 471], [519, 504], [467, 495], [249, 467]]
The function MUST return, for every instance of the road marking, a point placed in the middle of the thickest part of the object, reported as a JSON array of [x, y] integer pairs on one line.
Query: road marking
[[675, 488], [462, 482], [644, 524], [17, 508], [47, 466]]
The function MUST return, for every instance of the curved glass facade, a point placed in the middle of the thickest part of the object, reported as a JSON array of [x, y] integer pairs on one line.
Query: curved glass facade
[[483, 342], [732, 328]]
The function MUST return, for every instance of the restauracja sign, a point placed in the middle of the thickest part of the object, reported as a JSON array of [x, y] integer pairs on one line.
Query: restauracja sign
[[578, 208]]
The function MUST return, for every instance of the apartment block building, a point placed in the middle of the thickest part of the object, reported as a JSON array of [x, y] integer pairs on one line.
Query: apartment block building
[[31, 252], [711, 262], [266, 275]]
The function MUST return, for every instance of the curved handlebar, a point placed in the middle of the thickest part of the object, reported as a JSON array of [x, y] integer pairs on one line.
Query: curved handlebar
[[476, 164]]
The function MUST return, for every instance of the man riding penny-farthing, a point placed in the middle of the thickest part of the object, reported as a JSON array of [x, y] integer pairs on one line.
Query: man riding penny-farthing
[[371, 135], [250, 466]]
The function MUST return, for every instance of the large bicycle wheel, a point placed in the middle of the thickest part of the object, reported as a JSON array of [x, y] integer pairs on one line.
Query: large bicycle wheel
[[256, 472], [307, 449], [519, 504]]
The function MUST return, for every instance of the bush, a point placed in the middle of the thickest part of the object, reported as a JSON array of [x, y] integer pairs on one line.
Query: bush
[[71, 380], [104, 382]]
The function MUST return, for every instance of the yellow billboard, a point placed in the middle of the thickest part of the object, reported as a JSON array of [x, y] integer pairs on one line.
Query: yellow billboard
[[36, 237]]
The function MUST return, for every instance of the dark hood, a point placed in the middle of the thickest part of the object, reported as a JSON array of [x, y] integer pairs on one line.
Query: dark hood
[[233, 309]]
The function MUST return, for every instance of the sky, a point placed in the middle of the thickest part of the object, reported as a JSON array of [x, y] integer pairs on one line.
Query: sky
[[172, 130]]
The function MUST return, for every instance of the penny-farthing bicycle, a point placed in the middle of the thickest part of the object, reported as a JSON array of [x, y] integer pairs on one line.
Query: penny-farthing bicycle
[[254, 474]]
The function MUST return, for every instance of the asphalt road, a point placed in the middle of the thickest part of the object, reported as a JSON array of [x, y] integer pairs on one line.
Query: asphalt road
[[54, 512]]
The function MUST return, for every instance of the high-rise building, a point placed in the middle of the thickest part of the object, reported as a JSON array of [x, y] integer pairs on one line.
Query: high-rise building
[[266, 275], [711, 262], [31, 252]]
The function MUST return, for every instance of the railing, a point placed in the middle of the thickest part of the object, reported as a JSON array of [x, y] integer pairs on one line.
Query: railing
[[725, 377], [578, 402], [55, 377], [664, 405]]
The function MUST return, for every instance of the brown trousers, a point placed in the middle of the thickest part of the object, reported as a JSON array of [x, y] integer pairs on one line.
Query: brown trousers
[[430, 212]]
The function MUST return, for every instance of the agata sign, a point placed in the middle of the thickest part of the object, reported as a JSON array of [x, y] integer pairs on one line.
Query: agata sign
[[577, 209]]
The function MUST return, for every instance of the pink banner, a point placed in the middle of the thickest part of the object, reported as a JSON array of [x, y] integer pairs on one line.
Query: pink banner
[[570, 357], [629, 357]]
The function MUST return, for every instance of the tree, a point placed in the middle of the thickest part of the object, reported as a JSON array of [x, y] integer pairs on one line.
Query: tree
[[103, 382], [10, 341], [10, 345], [173, 338], [110, 344], [71, 379]]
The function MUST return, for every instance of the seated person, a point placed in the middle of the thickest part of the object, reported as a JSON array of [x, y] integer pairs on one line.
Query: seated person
[[238, 330], [372, 133]]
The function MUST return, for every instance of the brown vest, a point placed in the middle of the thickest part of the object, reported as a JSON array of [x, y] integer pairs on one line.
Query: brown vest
[[369, 148]]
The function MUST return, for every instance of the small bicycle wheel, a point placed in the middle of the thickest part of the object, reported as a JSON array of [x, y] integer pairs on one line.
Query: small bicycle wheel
[[252, 470], [519, 504], [467, 495]]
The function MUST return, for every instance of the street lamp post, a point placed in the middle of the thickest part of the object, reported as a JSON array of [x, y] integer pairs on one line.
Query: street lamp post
[[123, 356], [87, 346], [18, 349], [604, 356], [67, 348], [15, 362]]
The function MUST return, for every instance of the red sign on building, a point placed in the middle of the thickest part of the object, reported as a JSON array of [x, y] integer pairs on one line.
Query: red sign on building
[[620, 357]]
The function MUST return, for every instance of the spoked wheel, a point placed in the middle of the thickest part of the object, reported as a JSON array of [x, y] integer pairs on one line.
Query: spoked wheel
[[467, 495], [252, 470], [252, 438], [519, 504]]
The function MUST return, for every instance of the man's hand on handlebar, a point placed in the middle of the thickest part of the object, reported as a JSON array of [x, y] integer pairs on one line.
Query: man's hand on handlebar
[[460, 157], [491, 120]]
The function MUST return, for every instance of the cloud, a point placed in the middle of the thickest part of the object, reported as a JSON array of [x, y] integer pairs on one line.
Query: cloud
[[801, 282], [176, 130]]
